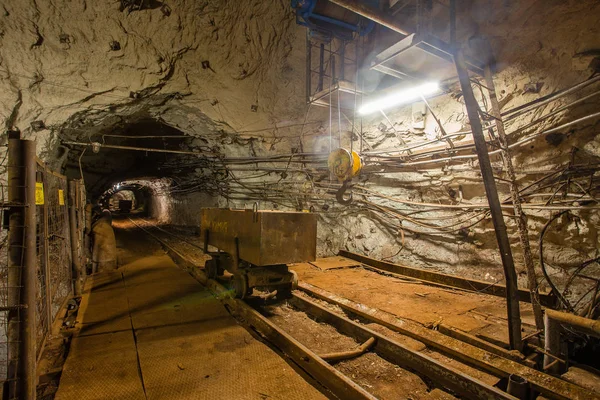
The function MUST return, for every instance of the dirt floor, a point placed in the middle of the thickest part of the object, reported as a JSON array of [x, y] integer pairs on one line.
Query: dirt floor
[[148, 330], [381, 378]]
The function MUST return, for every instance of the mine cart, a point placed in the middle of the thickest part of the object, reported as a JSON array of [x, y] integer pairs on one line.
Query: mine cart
[[256, 246]]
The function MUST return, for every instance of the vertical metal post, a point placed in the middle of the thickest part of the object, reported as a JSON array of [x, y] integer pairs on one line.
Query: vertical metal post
[[46, 255], [516, 199], [332, 64], [308, 66], [86, 233], [510, 275], [420, 15], [321, 66], [342, 59], [27, 350], [453, 23], [75, 261], [551, 343], [16, 195]]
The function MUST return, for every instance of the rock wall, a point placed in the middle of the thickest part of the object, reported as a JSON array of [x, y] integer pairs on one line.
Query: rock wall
[[228, 76]]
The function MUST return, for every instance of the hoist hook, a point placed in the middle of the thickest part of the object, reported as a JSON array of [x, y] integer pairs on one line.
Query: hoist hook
[[339, 195]]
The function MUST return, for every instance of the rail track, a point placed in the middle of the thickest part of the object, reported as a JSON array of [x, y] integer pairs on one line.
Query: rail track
[[458, 368]]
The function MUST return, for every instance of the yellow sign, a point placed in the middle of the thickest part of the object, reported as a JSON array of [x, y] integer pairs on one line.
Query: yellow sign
[[39, 193], [61, 197]]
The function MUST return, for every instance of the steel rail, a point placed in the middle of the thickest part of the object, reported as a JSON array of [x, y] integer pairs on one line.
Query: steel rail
[[315, 366], [498, 362], [444, 375], [339, 384]]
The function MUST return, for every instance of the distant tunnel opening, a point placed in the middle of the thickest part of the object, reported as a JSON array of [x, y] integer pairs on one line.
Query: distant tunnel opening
[[139, 159]]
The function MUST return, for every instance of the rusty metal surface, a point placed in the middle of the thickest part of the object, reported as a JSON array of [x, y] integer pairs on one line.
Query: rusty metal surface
[[449, 280], [264, 237], [337, 262], [501, 366], [393, 351]]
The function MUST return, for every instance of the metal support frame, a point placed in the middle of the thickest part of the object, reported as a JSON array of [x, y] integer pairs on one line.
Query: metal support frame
[[16, 195], [516, 200], [510, 275], [46, 256], [22, 273], [75, 260], [554, 321]]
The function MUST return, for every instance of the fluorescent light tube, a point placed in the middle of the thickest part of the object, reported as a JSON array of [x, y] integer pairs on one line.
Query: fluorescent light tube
[[399, 97]]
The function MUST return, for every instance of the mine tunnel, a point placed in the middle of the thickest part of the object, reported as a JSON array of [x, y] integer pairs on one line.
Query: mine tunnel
[[300, 199]]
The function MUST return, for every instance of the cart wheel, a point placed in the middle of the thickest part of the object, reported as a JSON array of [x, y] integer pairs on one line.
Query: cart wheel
[[294, 280], [212, 270], [240, 285]]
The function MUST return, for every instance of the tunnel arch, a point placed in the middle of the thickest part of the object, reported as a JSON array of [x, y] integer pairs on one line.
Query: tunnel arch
[[152, 197]]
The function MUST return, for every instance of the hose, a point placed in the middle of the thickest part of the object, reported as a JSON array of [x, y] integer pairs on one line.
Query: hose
[[553, 287]]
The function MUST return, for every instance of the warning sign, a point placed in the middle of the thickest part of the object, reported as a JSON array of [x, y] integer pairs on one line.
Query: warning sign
[[39, 193], [61, 197]]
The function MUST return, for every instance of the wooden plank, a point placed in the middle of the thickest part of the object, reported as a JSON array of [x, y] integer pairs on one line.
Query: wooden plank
[[448, 280]]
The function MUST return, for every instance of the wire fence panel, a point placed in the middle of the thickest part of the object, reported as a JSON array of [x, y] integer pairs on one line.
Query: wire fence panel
[[57, 247], [53, 263], [3, 295], [11, 261]]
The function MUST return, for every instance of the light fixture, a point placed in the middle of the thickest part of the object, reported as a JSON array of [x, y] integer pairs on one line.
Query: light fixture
[[399, 97]]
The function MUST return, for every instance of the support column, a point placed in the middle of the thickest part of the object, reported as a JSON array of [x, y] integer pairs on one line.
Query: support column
[[516, 199], [75, 260], [16, 223], [28, 359], [510, 275]]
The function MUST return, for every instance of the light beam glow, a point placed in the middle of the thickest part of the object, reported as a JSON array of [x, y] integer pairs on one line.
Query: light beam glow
[[400, 97]]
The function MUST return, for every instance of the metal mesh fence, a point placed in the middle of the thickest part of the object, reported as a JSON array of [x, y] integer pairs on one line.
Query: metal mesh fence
[[54, 251], [10, 282], [53, 263], [3, 269]]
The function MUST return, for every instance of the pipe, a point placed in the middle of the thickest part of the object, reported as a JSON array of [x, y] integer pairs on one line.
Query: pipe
[[345, 355], [554, 321], [196, 153], [360, 8], [551, 343], [518, 387], [549, 98], [510, 275], [584, 325]]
